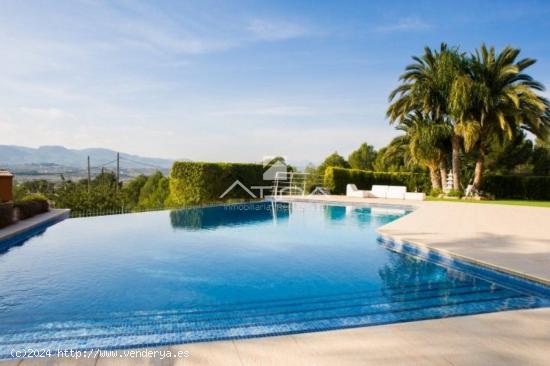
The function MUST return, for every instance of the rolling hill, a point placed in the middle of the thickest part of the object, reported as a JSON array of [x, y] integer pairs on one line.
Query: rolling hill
[[13, 155]]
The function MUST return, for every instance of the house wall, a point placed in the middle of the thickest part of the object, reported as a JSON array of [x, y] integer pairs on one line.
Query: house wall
[[6, 187]]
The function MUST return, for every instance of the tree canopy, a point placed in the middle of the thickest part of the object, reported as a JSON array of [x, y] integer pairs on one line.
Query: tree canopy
[[363, 157], [334, 160]]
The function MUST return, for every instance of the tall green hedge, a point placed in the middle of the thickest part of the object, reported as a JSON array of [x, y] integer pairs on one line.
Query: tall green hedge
[[518, 187], [336, 180], [197, 182]]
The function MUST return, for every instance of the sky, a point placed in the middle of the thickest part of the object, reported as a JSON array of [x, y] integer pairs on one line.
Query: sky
[[231, 80]]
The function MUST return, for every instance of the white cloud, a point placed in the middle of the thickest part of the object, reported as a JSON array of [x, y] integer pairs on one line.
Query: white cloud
[[316, 107], [31, 126], [49, 114], [133, 81], [152, 36], [408, 24], [268, 111], [297, 142], [269, 30]]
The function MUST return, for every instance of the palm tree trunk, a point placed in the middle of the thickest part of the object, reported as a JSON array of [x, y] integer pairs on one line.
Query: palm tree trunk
[[478, 172], [435, 178], [443, 172], [455, 141]]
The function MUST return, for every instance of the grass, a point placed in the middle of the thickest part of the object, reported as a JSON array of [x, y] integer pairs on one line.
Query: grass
[[497, 202]]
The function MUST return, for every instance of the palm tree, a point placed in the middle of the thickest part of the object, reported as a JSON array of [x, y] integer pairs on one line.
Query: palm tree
[[425, 87], [422, 144], [493, 99], [394, 157]]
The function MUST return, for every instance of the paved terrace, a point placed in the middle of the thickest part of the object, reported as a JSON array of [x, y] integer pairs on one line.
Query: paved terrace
[[513, 238]]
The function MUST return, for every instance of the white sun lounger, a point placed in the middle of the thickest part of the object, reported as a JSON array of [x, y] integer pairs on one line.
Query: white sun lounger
[[352, 191], [378, 191], [388, 192]]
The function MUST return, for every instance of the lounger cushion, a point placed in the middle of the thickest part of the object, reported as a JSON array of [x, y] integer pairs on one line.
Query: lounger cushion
[[379, 191], [396, 192], [352, 191], [351, 188]]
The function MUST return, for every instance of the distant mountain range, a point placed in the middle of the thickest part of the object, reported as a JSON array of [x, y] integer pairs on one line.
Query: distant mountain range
[[13, 155]]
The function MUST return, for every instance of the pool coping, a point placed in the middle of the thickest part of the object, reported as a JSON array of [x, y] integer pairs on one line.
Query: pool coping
[[454, 256], [468, 265], [423, 250], [445, 257], [29, 226], [427, 249]]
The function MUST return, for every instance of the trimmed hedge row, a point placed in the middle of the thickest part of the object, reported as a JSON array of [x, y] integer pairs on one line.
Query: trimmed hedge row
[[336, 180], [196, 182], [31, 207], [518, 187], [6, 214]]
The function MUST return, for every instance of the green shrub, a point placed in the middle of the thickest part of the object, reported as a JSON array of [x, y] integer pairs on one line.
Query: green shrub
[[34, 197], [131, 191], [537, 188], [154, 192], [6, 214], [518, 187], [336, 180], [436, 192], [31, 205], [454, 193], [196, 182]]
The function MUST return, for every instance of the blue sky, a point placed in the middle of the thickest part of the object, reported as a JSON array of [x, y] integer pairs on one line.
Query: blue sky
[[231, 81]]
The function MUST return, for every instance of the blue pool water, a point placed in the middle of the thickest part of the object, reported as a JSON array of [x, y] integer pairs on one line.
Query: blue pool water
[[223, 272]]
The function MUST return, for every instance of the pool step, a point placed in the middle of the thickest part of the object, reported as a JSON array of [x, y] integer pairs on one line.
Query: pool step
[[32, 320], [264, 309], [283, 317], [257, 316]]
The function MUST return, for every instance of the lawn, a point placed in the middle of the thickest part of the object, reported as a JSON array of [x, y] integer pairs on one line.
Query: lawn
[[497, 202]]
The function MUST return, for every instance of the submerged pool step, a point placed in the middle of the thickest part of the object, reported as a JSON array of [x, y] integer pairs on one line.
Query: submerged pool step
[[88, 333], [254, 308], [182, 333], [267, 316], [417, 285]]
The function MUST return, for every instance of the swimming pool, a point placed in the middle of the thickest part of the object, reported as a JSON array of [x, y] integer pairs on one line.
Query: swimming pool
[[224, 272]]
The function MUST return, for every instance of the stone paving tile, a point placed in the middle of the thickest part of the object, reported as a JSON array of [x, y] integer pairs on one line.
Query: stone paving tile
[[210, 354], [10, 362], [271, 351], [382, 345], [54, 361]]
